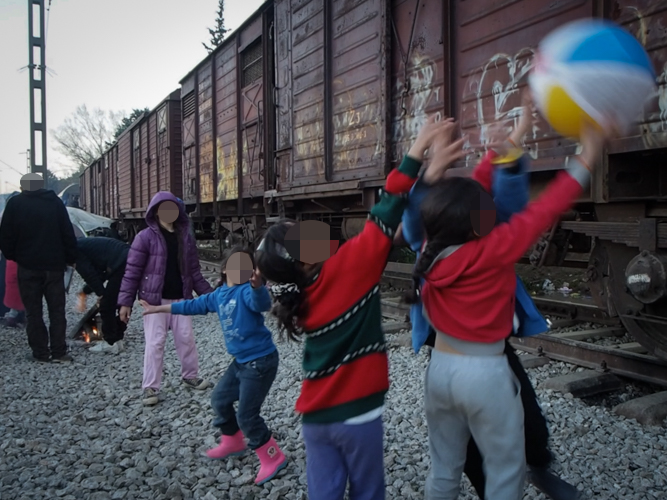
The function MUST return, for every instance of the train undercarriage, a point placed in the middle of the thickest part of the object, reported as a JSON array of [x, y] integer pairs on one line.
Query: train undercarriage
[[623, 245]]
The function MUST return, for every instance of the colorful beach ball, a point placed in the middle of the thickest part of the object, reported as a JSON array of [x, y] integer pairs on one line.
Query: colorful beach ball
[[591, 71]]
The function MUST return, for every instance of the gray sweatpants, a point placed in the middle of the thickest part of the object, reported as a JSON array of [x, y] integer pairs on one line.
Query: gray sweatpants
[[476, 395]]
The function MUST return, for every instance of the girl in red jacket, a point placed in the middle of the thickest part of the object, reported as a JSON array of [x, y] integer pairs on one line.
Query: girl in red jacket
[[468, 296]]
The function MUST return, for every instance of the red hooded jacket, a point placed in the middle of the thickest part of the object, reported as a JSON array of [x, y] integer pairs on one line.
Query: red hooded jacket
[[470, 294]]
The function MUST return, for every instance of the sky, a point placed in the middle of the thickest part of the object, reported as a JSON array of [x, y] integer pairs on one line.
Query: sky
[[115, 55]]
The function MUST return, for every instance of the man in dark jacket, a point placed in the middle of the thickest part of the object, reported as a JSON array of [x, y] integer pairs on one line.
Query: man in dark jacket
[[37, 234], [98, 260]]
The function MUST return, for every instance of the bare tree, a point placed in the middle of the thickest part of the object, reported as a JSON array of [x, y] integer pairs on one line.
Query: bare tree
[[85, 135], [217, 33]]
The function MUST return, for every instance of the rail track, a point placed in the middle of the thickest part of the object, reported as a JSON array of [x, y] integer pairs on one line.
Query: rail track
[[579, 347], [582, 348]]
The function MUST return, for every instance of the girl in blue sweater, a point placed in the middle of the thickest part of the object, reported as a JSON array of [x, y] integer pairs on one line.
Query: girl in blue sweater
[[239, 303]]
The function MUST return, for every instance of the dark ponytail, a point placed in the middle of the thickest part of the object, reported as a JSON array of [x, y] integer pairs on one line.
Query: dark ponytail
[[426, 258], [287, 276], [445, 214]]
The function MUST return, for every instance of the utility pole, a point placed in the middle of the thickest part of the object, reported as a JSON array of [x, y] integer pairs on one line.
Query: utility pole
[[37, 70]]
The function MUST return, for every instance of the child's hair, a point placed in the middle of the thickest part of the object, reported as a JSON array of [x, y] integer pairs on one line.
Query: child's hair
[[445, 214], [227, 253], [181, 231], [288, 275]]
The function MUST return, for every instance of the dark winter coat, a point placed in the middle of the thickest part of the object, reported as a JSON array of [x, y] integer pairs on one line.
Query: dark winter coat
[[98, 258], [147, 259], [36, 232]]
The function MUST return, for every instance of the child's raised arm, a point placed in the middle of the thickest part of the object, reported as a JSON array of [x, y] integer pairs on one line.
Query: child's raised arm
[[256, 296], [483, 172], [508, 242], [367, 252], [193, 307], [149, 309]]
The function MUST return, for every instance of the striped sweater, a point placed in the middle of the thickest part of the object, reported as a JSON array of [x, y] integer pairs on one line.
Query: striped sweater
[[345, 356]]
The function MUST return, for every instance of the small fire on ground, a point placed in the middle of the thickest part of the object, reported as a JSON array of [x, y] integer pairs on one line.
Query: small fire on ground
[[91, 331]]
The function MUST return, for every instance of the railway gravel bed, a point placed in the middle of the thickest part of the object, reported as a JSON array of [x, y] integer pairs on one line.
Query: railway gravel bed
[[80, 431]]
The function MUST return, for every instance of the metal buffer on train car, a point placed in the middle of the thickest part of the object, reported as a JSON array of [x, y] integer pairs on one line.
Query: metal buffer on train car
[[646, 277]]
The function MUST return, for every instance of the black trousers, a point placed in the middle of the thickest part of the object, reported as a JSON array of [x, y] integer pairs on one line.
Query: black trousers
[[35, 286], [535, 428], [113, 329]]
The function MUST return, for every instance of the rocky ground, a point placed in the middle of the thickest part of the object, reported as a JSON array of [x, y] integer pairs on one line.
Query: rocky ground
[[81, 432]]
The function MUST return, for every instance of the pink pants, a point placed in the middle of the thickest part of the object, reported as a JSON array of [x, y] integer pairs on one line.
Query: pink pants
[[156, 327]]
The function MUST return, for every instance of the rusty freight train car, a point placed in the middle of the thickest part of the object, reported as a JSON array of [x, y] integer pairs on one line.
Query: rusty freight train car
[[305, 108], [228, 130], [146, 158]]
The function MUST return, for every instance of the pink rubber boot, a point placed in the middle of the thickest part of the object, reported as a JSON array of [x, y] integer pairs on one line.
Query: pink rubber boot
[[229, 446], [271, 460]]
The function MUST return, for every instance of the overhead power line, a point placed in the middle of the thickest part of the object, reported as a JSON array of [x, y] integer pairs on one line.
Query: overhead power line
[[15, 170]]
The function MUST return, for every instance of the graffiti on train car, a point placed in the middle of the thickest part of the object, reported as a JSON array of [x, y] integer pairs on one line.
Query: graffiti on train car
[[498, 80], [354, 126], [228, 186], [423, 95], [646, 20], [309, 142]]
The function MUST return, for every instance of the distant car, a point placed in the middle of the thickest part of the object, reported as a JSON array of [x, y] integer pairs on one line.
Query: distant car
[[88, 225], [70, 195]]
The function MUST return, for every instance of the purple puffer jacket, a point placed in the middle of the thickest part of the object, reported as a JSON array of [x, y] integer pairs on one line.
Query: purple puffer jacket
[[147, 259]]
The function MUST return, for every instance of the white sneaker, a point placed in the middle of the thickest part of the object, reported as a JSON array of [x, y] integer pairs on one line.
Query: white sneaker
[[119, 345], [105, 347]]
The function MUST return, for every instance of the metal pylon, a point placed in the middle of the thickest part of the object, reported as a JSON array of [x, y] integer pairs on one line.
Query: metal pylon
[[37, 70]]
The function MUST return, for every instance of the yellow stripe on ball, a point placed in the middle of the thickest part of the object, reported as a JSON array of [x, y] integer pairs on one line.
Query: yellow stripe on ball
[[563, 114]]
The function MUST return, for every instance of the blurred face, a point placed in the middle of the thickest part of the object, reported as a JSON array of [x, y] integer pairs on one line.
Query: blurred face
[[239, 268], [310, 242], [32, 182], [167, 212], [483, 216]]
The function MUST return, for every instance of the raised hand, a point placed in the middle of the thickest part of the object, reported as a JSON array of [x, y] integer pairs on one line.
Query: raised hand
[[593, 140], [444, 153], [527, 118], [428, 133], [256, 279]]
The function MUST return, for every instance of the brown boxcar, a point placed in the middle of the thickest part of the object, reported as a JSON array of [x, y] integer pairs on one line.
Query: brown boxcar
[[228, 121], [269, 125], [303, 110], [146, 158]]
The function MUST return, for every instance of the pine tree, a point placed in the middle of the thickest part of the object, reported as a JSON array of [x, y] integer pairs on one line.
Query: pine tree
[[217, 33]]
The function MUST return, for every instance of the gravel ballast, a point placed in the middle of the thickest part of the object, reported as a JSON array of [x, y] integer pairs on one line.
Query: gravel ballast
[[79, 431]]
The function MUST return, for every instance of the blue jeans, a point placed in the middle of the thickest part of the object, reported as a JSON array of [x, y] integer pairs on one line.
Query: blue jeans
[[248, 383], [338, 452]]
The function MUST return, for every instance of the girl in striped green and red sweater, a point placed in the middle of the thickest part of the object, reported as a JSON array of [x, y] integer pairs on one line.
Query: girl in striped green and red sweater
[[335, 305]]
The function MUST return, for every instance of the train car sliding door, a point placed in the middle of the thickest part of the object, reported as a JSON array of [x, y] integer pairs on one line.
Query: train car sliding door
[[331, 90], [251, 109]]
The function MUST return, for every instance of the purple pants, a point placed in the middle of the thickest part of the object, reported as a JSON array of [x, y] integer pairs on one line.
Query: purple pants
[[337, 453]]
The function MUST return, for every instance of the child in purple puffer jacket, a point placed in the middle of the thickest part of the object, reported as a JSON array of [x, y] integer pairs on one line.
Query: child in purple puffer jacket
[[163, 267]]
